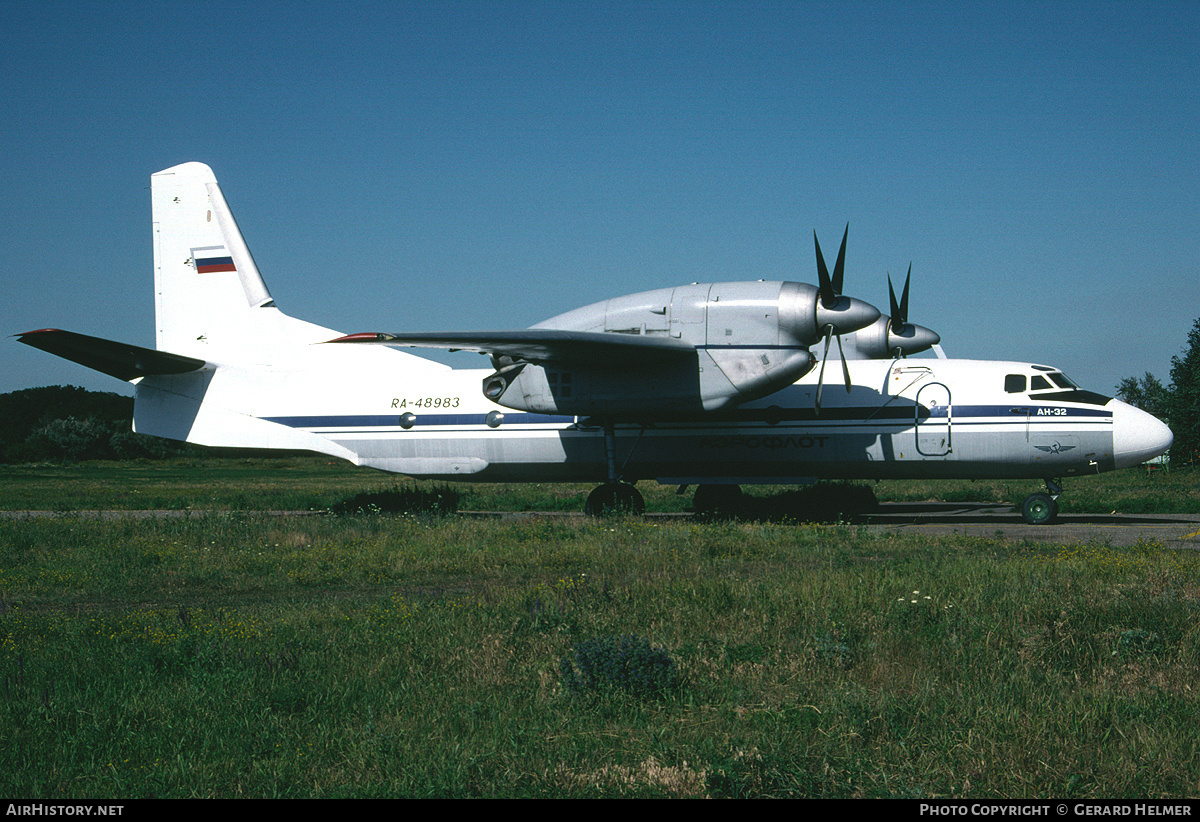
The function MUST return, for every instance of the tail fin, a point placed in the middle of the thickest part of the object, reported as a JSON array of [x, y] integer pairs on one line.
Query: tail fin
[[210, 300], [212, 307], [207, 287]]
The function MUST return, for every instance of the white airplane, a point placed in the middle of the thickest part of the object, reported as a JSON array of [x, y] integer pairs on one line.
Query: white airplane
[[710, 384]]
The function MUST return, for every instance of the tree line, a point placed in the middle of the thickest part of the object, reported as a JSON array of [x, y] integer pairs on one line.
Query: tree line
[[1176, 404], [65, 423]]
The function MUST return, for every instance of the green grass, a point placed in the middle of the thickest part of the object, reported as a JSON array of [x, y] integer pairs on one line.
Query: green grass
[[243, 656], [318, 483], [233, 654], [286, 483]]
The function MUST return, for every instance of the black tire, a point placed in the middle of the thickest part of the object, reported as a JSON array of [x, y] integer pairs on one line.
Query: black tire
[[718, 501], [1039, 509], [614, 498]]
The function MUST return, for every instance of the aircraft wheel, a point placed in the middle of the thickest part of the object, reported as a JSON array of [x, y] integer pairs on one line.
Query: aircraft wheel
[[1039, 509], [717, 500], [614, 498]]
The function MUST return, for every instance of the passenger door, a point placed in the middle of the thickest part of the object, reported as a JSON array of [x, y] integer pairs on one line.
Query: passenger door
[[934, 420]]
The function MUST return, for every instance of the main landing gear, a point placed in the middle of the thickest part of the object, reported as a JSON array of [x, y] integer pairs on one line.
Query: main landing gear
[[614, 496], [1042, 508], [718, 501]]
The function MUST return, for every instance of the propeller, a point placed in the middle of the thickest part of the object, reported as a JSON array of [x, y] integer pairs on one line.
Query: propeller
[[837, 315], [903, 337]]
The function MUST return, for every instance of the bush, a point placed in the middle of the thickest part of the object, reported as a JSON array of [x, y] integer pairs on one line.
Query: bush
[[624, 663], [412, 500]]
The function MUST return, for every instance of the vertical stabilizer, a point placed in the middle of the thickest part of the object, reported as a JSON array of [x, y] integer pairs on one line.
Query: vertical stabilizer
[[207, 288], [212, 304], [207, 285]]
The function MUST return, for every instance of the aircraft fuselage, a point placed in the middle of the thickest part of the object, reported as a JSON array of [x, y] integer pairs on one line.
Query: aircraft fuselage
[[915, 418]]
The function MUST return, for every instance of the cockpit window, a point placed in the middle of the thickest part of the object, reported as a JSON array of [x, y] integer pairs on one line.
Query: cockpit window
[[1061, 390]]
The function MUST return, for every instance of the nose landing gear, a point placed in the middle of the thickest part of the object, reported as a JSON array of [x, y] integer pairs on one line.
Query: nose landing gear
[[1042, 508]]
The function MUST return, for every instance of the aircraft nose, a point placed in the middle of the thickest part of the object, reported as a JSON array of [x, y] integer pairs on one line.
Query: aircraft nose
[[1137, 436]]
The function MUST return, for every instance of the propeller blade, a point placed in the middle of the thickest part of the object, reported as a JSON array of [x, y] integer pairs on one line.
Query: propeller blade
[[839, 268], [899, 309], [845, 364], [821, 374], [831, 287], [828, 295]]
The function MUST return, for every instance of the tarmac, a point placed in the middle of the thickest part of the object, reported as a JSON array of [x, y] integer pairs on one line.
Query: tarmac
[[1116, 529]]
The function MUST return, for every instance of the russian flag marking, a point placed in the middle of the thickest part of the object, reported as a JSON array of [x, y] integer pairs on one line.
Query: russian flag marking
[[212, 259], [212, 264]]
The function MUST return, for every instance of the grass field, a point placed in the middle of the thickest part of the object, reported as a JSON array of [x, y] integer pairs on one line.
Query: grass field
[[232, 654], [318, 483]]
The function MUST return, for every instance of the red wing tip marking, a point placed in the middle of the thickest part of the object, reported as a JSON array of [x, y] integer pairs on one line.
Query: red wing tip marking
[[366, 336]]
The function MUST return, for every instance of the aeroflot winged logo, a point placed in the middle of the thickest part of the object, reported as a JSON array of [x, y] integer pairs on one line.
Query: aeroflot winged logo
[[1054, 449], [211, 259]]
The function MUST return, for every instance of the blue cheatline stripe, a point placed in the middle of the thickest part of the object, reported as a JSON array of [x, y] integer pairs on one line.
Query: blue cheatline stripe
[[393, 420], [1008, 411], [893, 415]]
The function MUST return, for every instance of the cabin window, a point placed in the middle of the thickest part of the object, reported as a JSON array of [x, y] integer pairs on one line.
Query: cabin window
[[1015, 383]]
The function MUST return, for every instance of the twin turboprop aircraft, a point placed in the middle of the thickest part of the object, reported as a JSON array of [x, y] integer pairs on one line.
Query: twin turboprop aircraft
[[714, 385]]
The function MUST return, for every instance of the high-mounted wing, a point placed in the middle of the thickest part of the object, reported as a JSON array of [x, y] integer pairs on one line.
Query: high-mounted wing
[[703, 347], [544, 345], [120, 360]]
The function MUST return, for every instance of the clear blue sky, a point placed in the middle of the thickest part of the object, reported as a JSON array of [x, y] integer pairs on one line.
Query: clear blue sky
[[424, 166]]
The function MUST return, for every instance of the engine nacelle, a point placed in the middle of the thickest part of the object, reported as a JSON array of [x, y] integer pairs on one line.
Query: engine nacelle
[[762, 313], [880, 341], [751, 339], [709, 381]]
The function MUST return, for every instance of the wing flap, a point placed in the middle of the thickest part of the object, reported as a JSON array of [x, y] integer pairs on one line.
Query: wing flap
[[120, 360], [541, 345]]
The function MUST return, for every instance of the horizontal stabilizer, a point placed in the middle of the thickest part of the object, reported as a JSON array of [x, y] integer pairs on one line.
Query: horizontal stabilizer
[[125, 362], [544, 345]]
